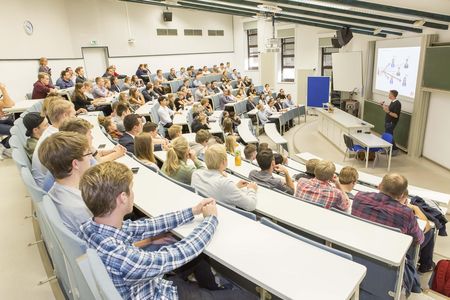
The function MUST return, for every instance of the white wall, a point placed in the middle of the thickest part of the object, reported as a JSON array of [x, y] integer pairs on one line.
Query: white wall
[[62, 27]]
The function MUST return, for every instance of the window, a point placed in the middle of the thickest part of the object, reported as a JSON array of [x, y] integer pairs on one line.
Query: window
[[252, 47], [327, 67], [162, 31], [197, 32], [287, 59], [215, 33]]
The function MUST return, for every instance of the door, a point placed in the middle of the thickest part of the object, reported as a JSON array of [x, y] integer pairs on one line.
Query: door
[[95, 61]]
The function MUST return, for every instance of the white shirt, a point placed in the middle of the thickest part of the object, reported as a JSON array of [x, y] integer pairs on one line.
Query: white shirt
[[165, 114], [38, 170]]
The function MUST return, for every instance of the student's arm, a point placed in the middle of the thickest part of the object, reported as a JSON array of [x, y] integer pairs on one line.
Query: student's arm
[[287, 177], [419, 214], [6, 101], [245, 199]]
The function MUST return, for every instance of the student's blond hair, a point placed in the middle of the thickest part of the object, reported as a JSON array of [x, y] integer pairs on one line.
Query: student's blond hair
[[57, 108], [102, 184], [143, 147], [174, 131], [202, 136], [311, 165], [348, 175], [324, 170], [215, 156], [76, 125], [230, 144], [394, 185], [46, 104], [42, 75], [177, 152]]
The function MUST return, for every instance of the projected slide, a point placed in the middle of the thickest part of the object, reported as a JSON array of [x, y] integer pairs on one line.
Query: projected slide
[[397, 70]]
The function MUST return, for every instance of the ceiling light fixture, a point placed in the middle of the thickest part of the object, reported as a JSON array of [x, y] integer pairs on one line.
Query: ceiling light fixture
[[377, 31], [269, 8], [418, 23]]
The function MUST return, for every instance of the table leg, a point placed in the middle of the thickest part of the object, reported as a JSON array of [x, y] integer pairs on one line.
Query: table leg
[[367, 157], [389, 161]]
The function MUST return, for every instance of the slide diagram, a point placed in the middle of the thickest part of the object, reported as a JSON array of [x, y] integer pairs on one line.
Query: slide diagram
[[397, 70]]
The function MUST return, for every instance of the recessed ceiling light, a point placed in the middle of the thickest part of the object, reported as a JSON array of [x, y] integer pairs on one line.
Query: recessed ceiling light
[[269, 8], [418, 23], [377, 31]]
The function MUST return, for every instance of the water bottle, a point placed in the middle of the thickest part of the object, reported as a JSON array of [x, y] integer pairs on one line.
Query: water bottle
[[237, 158]]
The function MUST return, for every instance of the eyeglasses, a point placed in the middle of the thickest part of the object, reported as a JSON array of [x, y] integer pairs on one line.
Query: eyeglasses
[[87, 154]]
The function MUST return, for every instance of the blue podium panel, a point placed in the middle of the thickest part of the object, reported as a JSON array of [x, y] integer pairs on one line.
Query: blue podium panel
[[318, 91]]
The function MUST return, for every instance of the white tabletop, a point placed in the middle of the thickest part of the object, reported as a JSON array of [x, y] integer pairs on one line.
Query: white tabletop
[[180, 119], [370, 140], [21, 106], [365, 238], [344, 119], [144, 110], [245, 133], [248, 253], [271, 131]]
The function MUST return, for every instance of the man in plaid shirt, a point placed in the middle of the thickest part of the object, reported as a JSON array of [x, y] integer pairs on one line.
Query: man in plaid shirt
[[107, 191], [389, 207], [321, 190]]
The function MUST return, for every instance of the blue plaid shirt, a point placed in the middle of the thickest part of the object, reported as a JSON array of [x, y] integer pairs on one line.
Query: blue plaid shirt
[[138, 274]]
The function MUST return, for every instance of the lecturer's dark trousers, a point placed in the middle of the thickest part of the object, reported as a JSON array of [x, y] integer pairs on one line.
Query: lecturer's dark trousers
[[389, 128]]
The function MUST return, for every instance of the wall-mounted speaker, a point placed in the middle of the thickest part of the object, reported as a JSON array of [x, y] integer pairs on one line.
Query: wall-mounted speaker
[[167, 16], [344, 35], [335, 43]]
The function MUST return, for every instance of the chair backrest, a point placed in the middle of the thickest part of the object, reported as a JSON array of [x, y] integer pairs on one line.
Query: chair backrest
[[348, 142], [28, 96], [186, 186], [154, 113], [35, 191], [20, 158], [271, 224], [387, 137], [37, 107], [244, 213], [101, 277], [14, 140], [72, 248], [216, 101]]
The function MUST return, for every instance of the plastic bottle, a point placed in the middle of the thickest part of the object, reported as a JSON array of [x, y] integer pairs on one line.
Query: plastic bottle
[[237, 158]]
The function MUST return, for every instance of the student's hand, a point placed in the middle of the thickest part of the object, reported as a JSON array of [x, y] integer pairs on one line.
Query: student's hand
[[192, 155], [242, 183], [53, 90], [252, 185], [81, 111], [280, 168], [196, 210], [210, 210], [385, 108], [120, 150]]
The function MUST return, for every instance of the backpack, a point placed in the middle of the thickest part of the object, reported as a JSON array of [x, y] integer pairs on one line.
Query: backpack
[[441, 280]]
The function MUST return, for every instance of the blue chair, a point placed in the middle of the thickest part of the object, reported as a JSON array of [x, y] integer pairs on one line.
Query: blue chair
[[72, 248], [20, 158], [271, 224], [351, 147], [102, 280], [388, 138], [215, 99]]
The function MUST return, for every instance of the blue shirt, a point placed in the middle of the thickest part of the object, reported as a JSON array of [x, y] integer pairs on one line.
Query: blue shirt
[[136, 273], [64, 84]]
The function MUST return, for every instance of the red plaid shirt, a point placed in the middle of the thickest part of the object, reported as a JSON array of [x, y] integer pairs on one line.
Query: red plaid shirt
[[321, 192], [381, 208]]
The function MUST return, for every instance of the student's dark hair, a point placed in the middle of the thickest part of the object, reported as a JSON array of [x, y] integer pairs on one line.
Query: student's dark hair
[[263, 146], [161, 99], [64, 72], [264, 159], [278, 158], [130, 121], [394, 93], [121, 108], [149, 127]]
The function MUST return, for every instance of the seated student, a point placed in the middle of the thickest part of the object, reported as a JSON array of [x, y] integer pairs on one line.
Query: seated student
[[226, 98], [209, 89], [42, 87], [159, 89], [174, 131], [289, 102], [59, 110], [310, 168], [171, 101], [180, 102], [231, 145], [143, 149], [172, 75], [389, 207], [100, 90], [250, 152], [267, 91], [136, 82], [262, 116], [126, 85], [189, 97], [263, 146], [165, 114], [200, 93], [185, 84], [281, 95], [122, 110], [235, 119], [80, 100], [207, 109], [159, 143], [133, 126], [240, 95], [265, 176], [215, 87], [320, 189], [148, 93], [251, 103], [107, 190], [80, 75], [35, 124], [44, 68], [65, 81], [201, 141], [159, 76], [235, 75], [110, 127], [136, 99], [215, 183], [176, 165], [67, 156], [109, 72], [200, 122], [279, 159], [143, 73], [115, 84], [252, 91], [348, 178], [227, 126], [196, 82]]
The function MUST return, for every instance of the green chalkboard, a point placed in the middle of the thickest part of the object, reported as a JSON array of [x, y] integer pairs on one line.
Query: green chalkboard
[[436, 72], [374, 114]]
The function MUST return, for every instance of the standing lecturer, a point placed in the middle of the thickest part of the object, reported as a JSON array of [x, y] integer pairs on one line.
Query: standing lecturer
[[392, 114]]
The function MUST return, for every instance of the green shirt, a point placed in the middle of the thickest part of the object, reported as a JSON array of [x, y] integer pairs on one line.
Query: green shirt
[[184, 172], [30, 146]]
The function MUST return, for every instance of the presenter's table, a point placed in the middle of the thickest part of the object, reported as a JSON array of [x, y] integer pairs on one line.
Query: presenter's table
[[371, 141]]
